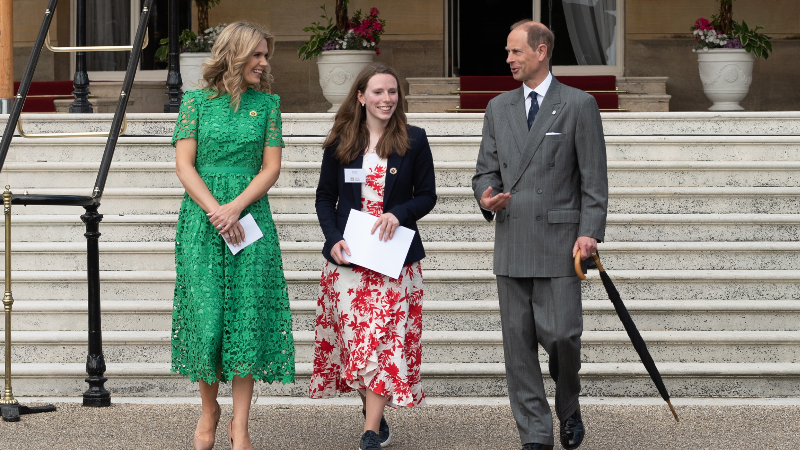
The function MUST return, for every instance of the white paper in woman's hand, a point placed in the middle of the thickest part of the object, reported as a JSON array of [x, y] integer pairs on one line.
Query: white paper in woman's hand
[[252, 233], [368, 250]]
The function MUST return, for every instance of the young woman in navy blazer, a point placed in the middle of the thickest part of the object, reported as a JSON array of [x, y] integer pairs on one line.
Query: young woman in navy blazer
[[369, 325]]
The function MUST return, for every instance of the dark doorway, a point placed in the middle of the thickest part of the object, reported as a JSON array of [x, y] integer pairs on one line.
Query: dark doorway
[[479, 29], [158, 29], [563, 54], [109, 23]]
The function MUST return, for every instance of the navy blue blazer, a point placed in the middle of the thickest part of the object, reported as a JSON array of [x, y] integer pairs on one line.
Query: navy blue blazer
[[409, 193]]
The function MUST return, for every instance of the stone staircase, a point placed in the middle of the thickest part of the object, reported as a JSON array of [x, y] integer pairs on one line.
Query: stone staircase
[[703, 233]]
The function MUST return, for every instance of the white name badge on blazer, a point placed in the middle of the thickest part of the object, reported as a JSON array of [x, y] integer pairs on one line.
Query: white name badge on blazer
[[355, 176]]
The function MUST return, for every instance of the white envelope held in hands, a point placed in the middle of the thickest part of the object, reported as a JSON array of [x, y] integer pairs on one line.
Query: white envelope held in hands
[[252, 233], [367, 250]]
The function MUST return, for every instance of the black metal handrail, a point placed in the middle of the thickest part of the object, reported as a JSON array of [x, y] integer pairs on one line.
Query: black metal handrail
[[116, 124], [96, 395]]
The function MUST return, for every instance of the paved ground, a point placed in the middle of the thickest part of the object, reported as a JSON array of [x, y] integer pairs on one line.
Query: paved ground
[[490, 427]]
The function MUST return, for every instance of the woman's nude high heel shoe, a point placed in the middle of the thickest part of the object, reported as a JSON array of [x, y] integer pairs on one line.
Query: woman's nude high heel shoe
[[230, 434], [201, 444]]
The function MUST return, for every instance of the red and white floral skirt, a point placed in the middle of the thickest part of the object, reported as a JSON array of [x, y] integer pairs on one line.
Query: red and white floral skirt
[[367, 334]]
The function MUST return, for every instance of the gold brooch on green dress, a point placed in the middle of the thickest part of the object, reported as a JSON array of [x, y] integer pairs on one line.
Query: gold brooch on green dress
[[253, 113]]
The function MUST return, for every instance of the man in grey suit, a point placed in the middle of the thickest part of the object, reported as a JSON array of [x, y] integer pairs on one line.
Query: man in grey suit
[[541, 175]]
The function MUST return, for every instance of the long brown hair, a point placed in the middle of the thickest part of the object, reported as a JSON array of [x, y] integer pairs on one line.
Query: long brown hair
[[350, 124], [232, 49]]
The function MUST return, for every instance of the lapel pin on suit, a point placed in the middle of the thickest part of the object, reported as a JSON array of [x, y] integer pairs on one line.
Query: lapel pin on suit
[[393, 170]]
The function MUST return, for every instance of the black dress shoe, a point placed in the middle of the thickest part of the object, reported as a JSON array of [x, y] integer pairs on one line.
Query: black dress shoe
[[572, 431], [537, 447]]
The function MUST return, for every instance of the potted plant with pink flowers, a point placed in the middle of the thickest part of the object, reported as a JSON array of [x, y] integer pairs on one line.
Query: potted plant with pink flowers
[[342, 49], [726, 51]]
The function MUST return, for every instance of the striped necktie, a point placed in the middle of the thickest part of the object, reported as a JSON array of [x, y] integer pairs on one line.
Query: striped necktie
[[534, 108]]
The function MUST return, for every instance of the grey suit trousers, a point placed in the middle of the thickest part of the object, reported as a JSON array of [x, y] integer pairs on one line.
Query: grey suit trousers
[[544, 311]]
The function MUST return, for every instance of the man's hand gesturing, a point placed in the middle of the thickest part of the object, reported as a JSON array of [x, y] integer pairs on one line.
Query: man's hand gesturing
[[495, 203]]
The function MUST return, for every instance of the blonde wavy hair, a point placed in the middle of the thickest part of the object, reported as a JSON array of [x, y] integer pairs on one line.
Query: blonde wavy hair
[[233, 48]]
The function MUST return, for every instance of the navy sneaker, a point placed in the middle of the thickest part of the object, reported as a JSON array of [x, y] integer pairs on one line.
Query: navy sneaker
[[369, 441], [384, 433]]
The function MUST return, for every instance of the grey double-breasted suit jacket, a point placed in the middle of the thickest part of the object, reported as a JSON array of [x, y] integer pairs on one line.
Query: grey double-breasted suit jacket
[[556, 174]]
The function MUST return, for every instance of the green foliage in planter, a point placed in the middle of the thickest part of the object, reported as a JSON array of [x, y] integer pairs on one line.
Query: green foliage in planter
[[752, 41], [320, 34], [190, 42]]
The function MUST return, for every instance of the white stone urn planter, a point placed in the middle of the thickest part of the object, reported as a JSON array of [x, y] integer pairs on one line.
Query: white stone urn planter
[[726, 74], [337, 72], [191, 70]]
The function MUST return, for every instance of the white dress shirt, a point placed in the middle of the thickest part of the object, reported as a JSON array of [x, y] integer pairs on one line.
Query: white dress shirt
[[540, 90]]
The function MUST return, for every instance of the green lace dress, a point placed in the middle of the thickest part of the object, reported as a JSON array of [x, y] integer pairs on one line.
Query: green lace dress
[[231, 313]]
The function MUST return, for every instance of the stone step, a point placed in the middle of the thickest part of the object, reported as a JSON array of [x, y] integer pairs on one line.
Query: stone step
[[759, 255], [644, 102], [620, 174], [433, 227], [432, 86], [620, 227], [82, 174], [703, 200], [444, 346], [114, 256], [704, 173], [158, 149], [643, 85], [126, 256], [769, 123], [441, 315], [294, 174], [432, 103], [707, 148], [439, 380], [305, 174], [673, 148], [460, 200], [440, 285], [71, 315], [466, 316]]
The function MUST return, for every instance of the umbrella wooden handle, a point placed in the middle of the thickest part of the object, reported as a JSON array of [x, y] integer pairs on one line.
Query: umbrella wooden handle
[[579, 270]]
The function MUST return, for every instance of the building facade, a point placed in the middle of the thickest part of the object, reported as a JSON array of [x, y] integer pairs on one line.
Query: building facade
[[445, 38]]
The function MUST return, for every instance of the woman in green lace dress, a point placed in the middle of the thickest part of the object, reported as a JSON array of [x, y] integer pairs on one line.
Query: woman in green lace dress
[[231, 319]]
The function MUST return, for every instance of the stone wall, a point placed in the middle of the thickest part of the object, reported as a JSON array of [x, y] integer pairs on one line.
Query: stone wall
[[658, 43], [774, 86], [412, 44], [297, 82]]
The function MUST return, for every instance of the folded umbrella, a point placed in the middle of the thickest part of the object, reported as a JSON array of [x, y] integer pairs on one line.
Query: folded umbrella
[[630, 328]]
